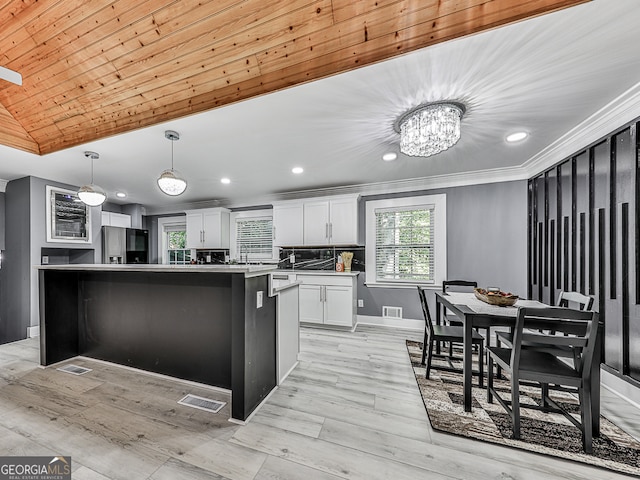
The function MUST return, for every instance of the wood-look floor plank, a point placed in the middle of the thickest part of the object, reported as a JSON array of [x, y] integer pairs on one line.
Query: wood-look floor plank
[[291, 420], [226, 458], [325, 456], [276, 468], [356, 415], [175, 469]]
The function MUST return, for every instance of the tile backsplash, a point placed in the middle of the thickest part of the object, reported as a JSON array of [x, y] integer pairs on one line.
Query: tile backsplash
[[324, 258]]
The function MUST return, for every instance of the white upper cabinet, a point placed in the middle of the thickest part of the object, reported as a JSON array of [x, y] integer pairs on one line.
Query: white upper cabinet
[[287, 224], [113, 219], [208, 228], [316, 221], [332, 221]]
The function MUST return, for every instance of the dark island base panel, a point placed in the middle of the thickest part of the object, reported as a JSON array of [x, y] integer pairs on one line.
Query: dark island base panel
[[185, 325]]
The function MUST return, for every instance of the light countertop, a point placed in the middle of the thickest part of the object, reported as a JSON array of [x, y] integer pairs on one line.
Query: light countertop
[[251, 270]]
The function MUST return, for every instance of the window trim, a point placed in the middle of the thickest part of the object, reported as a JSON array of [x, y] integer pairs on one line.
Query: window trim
[[162, 238], [233, 232], [439, 201]]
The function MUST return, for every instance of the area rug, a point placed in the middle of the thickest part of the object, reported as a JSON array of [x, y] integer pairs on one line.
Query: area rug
[[545, 433]]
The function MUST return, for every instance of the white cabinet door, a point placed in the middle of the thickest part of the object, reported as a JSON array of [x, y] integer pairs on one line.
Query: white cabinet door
[[311, 303], [215, 230], [344, 221], [287, 224], [195, 230], [338, 305], [316, 223], [208, 228]]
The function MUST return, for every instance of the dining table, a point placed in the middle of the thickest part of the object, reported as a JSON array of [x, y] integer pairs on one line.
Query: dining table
[[474, 313]]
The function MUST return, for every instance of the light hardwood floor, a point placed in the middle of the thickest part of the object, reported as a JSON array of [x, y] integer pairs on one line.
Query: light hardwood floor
[[350, 410]]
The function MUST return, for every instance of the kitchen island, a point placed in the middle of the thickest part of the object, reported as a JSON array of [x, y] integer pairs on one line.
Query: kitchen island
[[214, 325]]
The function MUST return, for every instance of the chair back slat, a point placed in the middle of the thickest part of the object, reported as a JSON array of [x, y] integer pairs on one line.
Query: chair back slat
[[458, 283], [425, 310], [569, 299]]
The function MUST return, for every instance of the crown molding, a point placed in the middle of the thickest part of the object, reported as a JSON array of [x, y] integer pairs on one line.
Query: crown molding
[[478, 177], [620, 111]]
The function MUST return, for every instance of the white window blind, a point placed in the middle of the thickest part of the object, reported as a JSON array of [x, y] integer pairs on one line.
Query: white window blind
[[254, 238], [405, 244]]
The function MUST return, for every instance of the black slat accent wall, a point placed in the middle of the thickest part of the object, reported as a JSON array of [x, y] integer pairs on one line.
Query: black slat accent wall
[[584, 235]]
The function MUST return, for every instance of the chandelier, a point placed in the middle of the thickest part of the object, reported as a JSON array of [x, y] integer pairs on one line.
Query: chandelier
[[171, 181], [92, 194], [429, 129]]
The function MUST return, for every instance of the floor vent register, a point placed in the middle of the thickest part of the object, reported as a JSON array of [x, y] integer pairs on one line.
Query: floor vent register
[[74, 369], [202, 403]]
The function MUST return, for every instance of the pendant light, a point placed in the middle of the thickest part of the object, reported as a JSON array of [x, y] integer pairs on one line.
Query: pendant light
[[92, 194], [171, 181]]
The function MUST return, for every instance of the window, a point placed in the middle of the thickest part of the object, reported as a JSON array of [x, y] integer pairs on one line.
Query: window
[[177, 254], [252, 236], [406, 241], [172, 238]]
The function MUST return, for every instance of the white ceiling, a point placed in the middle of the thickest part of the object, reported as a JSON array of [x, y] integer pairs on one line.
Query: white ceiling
[[545, 76]]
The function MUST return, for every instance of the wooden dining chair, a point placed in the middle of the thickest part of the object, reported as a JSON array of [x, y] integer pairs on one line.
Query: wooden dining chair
[[544, 368], [460, 285], [567, 300], [446, 333]]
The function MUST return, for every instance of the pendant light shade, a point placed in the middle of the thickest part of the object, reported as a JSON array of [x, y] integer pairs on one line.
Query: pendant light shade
[[92, 195], [171, 181]]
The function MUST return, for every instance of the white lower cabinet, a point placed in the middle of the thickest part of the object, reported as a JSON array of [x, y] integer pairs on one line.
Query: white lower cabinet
[[328, 300]]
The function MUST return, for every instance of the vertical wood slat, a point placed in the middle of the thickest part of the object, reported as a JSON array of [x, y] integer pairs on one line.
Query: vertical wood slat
[[530, 207], [574, 220], [583, 256], [540, 293], [601, 271], [612, 218], [635, 142], [552, 251], [559, 220], [565, 253], [624, 262], [546, 229], [592, 250]]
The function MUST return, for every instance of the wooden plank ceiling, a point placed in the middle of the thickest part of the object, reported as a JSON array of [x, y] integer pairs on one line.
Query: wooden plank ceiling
[[96, 68]]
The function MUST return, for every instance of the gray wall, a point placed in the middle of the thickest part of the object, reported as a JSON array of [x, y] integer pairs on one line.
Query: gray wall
[[15, 266], [486, 242], [2, 222], [26, 235]]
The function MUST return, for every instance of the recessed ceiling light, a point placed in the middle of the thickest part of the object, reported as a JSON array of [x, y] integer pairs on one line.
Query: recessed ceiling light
[[517, 136], [225, 180], [389, 156], [297, 170], [121, 194]]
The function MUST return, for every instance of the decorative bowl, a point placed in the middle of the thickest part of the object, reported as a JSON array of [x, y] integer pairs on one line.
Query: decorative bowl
[[501, 299]]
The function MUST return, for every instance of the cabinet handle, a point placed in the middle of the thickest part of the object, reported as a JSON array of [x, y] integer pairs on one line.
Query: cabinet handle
[[202, 236], [274, 232], [326, 230], [330, 230]]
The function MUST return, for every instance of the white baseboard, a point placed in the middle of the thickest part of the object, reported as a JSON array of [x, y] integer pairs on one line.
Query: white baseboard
[[33, 331], [391, 322]]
